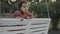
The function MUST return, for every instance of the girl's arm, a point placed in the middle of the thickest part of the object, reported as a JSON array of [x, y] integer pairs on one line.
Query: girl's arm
[[13, 15], [29, 14], [17, 14]]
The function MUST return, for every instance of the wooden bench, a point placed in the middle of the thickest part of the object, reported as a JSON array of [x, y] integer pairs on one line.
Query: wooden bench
[[28, 26]]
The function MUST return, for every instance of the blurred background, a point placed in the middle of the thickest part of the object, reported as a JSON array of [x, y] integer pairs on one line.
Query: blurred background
[[39, 9]]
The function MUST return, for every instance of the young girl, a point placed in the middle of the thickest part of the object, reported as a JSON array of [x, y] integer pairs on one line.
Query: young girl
[[22, 11]]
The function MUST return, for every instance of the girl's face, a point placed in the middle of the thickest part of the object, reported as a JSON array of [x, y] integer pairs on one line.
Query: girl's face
[[24, 7]]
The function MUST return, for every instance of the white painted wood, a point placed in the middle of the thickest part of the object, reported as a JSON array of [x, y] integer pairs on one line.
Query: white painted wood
[[31, 26], [11, 28], [11, 32], [38, 32], [37, 29]]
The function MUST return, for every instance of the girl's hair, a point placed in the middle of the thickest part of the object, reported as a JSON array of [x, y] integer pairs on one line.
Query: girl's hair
[[20, 5]]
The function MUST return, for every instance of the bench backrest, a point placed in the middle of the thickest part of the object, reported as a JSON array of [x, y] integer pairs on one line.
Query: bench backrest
[[28, 26]]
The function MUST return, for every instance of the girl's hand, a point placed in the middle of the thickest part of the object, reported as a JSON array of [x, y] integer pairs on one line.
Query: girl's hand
[[21, 19]]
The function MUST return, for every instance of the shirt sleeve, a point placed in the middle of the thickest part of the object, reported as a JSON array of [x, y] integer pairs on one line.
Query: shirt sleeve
[[29, 14], [15, 14]]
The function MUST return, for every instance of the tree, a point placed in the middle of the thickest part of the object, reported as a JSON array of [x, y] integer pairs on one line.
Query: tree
[[4, 5], [56, 15], [58, 7]]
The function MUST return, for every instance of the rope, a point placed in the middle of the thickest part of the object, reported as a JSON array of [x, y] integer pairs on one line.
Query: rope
[[47, 9]]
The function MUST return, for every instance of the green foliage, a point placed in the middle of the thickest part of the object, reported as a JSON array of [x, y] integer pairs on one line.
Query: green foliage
[[39, 9], [58, 5], [13, 7], [52, 8]]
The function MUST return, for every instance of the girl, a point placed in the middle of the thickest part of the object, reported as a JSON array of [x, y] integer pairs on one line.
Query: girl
[[22, 11]]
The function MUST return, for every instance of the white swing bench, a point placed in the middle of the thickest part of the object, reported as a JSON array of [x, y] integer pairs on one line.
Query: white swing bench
[[28, 26]]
